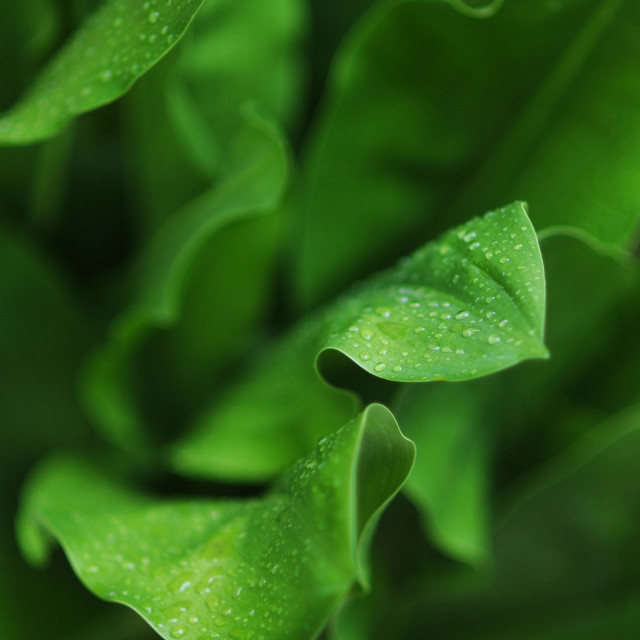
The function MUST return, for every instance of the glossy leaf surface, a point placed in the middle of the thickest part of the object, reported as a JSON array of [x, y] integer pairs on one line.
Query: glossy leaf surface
[[195, 569], [117, 44], [467, 304], [491, 125]]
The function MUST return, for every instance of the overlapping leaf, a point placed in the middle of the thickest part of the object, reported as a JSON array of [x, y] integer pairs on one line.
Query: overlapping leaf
[[485, 124], [449, 481], [565, 549], [182, 117], [121, 41], [468, 304], [253, 188], [195, 569]]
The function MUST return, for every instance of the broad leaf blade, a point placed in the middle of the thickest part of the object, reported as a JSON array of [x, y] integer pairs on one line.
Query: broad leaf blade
[[197, 568], [540, 118], [449, 483], [274, 413], [258, 175], [468, 304], [571, 149], [566, 555], [121, 41]]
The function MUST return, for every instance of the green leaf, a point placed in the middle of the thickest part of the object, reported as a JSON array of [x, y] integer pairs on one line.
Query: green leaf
[[118, 43], [555, 127], [449, 482], [397, 134], [580, 129], [178, 259], [222, 65], [183, 116], [275, 412], [199, 568], [468, 304], [565, 550]]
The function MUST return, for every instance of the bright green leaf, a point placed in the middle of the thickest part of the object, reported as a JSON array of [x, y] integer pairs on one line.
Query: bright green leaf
[[119, 43], [236, 568], [468, 304]]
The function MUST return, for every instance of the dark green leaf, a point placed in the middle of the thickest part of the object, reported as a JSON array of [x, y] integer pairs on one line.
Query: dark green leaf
[[566, 554], [253, 188], [405, 144], [450, 478]]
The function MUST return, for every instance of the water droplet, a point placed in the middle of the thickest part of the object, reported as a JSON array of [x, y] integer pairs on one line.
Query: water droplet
[[467, 333], [503, 323], [462, 314], [106, 75], [177, 632], [181, 583], [493, 339], [518, 247], [153, 16], [504, 260], [381, 366], [397, 368]]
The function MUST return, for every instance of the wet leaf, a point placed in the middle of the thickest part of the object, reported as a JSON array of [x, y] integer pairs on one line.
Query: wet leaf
[[116, 45], [194, 568], [466, 305]]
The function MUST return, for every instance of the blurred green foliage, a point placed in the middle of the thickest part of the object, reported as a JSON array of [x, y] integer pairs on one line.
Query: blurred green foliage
[[170, 332]]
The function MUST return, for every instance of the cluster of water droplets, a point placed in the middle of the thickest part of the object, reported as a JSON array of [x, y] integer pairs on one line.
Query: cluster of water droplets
[[116, 44], [465, 305], [204, 570]]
